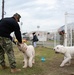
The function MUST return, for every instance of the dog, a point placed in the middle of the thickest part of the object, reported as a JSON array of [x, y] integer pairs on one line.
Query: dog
[[29, 54], [68, 52]]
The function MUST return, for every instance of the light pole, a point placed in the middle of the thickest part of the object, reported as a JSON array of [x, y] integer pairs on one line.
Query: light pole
[[2, 8], [38, 31], [38, 28], [65, 38]]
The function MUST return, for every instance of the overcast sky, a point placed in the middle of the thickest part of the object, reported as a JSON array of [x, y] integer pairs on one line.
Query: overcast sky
[[48, 14]]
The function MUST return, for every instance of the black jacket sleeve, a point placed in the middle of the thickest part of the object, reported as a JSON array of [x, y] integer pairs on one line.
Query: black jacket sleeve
[[18, 33]]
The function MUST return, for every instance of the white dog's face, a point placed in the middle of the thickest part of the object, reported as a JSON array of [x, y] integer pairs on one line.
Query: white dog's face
[[58, 48], [22, 47]]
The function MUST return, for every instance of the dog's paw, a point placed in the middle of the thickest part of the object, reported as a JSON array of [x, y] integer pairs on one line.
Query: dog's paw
[[61, 66], [67, 64], [24, 66], [30, 66]]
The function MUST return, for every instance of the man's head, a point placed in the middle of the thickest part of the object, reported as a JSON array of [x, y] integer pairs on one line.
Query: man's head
[[17, 17], [33, 33]]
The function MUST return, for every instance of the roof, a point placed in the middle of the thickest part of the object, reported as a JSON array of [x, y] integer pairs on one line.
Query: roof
[[68, 27]]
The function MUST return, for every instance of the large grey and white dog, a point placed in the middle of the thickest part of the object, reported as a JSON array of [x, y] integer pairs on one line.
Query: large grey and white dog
[[68, 53], [29, 54]]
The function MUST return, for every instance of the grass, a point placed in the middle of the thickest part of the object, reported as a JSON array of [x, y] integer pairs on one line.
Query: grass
[[49, 67]]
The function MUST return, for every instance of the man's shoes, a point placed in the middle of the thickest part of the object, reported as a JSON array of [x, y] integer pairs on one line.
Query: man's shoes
[[5, 67], [15, 70], [72, 74]]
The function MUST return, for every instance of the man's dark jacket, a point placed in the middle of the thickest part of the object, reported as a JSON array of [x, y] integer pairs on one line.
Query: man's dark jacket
[[9, 25]]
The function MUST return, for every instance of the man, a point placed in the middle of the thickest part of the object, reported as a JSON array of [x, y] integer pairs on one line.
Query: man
[[61, 37], [35, 39], [7, 26]]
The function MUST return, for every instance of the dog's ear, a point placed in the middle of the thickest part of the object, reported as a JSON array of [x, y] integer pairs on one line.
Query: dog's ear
[[63, 49]]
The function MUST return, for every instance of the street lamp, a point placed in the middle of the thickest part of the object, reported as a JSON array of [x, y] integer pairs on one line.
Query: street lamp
[[38, 29], [65, 38], [2, 8]]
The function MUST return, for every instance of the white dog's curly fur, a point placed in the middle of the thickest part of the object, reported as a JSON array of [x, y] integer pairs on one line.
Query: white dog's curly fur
[[29, 54], [68, 53]]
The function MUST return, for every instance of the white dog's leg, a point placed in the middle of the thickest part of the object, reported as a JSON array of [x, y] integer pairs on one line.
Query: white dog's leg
[[25, 61], [68, 63], [67, 59], [30, 61], [33, 61]]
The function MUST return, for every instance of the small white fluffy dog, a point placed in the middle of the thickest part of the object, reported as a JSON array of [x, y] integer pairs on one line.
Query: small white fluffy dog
[[29, 54], [68, 53]]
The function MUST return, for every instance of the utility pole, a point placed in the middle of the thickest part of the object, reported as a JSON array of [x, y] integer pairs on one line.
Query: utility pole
[[2, 8], [65, 38]]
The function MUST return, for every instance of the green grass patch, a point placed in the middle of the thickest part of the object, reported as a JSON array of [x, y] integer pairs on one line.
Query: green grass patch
[[49, 67]]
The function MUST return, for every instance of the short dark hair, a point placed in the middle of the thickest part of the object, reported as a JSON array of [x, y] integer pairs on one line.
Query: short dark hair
[[33, 33]]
